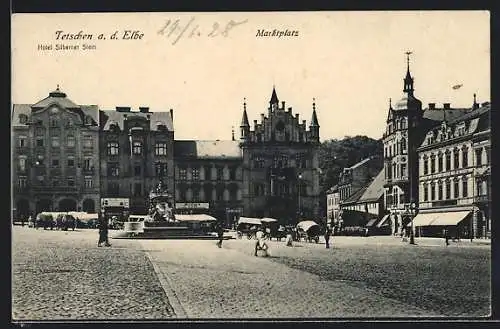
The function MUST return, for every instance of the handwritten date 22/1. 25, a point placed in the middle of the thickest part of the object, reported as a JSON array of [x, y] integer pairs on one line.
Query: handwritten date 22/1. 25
[[178, 30]]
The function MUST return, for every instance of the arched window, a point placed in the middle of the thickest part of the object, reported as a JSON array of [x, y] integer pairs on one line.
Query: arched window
[[465, 187], [440, 190], [433, 163], [403, 123], [433, 191], [426, 191], [448, 189], [465, 158], [426, 164], [403, 145], [440, 161]]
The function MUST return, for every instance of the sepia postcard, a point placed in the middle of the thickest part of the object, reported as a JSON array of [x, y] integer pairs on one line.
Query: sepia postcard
[[240, 166]]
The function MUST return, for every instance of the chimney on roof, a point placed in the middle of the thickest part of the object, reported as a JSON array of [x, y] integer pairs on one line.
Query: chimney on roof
[[283, 105], [255, 124], [446, 106], [432, 106], [290, 110], [297, 117], [123, 109], [143, 109], [304, 122]]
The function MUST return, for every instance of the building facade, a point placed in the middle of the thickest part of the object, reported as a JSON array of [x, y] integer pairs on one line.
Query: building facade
[[136, 152], [454, 175], [209, 179], [333, 205], [353, 178], [55, 152], [280, 164], [407, 125]]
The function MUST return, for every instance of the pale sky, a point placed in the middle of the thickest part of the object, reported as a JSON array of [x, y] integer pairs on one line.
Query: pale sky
[[351, 62]]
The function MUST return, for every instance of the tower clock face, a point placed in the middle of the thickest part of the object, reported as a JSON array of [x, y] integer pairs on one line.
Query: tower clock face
[[54, 109]]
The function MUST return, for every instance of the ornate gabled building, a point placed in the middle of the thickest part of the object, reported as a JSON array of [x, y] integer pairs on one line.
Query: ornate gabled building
[[137, 151], [55, 152], [454, 176], [407, 125], [280, 164]]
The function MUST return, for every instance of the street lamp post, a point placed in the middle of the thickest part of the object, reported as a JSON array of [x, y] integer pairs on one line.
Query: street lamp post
[[411, 208], [299, 212]]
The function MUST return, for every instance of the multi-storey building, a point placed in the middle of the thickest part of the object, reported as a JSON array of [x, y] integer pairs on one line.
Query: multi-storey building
[[280, 164], [365, 204], [209, 178], [55, 152], [407, 124], [332, 205], [137, 151], [353, 178], [454, 175]]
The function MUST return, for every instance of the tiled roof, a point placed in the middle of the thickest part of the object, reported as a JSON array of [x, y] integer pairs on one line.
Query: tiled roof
[[92, 111], [375, 189], [113, 116], [18, 109], [214, 149], [437, 114], [472, 114], [56, 98]]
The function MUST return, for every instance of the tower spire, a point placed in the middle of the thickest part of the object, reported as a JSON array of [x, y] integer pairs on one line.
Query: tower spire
[[244, 119], [408, 80], [274, 97], [314, 118]]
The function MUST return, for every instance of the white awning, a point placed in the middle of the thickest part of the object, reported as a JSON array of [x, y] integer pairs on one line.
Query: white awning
[[449, 218], [268, 220], [384, 219], [249, 220], [195, 218], [423, 219]]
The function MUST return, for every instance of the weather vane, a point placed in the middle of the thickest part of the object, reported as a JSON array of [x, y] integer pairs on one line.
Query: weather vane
[[408, 53]]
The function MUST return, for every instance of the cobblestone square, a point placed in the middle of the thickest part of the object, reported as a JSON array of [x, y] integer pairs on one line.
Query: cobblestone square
[[64, 275]]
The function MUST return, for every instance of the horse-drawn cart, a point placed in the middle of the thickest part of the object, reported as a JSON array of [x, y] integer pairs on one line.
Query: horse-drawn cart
[[309, 231]]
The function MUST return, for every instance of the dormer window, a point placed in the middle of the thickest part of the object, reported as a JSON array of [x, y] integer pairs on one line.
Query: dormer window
[[23, 118], [88, 120], [160, 125]]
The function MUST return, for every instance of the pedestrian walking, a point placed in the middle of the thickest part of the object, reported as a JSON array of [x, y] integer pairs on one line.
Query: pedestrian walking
[[103, 232], [328, 232], [220, 234]]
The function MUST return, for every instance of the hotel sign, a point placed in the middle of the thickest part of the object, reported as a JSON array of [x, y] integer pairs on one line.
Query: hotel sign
[[192, 205]]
